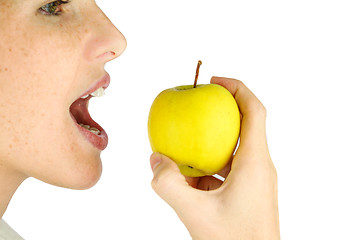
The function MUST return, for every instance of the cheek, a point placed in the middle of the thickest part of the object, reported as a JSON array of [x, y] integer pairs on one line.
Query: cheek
[[50, 150], [35, 66], [37, 73]]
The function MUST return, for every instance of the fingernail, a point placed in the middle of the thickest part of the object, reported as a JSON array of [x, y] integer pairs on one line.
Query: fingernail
[[213, 78], [155, 160]]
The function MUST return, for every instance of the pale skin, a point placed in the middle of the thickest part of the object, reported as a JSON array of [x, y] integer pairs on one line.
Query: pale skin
[[46, 62], [245, 205]]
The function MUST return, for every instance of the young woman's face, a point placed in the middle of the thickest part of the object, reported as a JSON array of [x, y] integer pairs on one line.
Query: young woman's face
[[51, 54]]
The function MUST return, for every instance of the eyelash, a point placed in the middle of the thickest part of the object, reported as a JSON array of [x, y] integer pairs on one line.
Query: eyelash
[[53, 8]]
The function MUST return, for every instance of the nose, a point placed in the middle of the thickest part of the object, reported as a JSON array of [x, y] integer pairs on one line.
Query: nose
[[105, 41]]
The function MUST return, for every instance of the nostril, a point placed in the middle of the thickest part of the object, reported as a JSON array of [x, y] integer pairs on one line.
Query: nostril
[[107, 55]]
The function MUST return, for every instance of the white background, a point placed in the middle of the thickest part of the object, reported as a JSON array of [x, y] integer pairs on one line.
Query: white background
[[302, 60]]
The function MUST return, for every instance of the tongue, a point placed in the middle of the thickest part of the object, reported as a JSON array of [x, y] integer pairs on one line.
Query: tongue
[[79, 110]]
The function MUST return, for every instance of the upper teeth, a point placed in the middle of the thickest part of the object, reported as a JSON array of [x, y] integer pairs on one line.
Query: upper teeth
[[97, 93]]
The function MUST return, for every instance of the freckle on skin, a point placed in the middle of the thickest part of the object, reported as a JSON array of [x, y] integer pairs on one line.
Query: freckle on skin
[[15, 140], [10, 50]]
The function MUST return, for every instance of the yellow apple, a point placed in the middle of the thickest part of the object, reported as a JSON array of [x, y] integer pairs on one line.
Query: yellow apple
[[197, 127]]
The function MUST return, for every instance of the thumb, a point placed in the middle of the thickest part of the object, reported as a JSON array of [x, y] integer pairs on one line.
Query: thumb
[[169, 183]]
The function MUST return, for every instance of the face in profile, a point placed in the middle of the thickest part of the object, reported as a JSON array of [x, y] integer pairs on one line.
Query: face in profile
[[52, 55]]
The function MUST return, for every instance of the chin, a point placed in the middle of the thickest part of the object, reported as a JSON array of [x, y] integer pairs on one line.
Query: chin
[[86, 177], [78, 175]]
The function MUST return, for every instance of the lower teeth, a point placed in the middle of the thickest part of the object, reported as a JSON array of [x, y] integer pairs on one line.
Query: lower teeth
[[91, 129]]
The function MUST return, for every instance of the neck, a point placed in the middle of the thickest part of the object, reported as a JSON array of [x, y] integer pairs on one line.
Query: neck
[[9, 181]]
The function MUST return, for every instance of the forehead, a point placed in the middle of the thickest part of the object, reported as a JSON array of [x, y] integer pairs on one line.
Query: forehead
[[9, 3], [17, 6], [4, 4]]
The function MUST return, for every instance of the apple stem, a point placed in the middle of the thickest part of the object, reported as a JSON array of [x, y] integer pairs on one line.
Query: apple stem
[[197, 73]]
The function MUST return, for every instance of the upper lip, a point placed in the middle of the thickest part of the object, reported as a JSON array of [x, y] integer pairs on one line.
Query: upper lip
[[102, 82]]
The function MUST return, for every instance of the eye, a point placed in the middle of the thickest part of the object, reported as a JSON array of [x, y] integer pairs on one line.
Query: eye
[[53, 8]]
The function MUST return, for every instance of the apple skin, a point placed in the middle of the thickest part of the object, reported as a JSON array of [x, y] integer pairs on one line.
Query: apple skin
[[198, 127]]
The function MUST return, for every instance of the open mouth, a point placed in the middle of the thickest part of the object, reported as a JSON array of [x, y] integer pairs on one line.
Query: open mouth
[[91, 130]]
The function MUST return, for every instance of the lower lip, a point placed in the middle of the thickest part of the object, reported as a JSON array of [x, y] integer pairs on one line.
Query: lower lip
[[98, 141]]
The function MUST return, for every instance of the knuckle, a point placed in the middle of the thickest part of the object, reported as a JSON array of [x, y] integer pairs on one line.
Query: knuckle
[[154, 182], [258, 108], [263, 110], [253, 104], [274, 173], [240, 83], [161, 180], [264, 172]]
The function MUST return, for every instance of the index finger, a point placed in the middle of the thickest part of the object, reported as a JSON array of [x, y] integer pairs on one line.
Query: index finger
[[253, 132]]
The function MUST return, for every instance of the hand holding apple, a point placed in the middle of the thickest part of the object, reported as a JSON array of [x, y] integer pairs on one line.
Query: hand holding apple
[[195, 125], [245, 205]]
